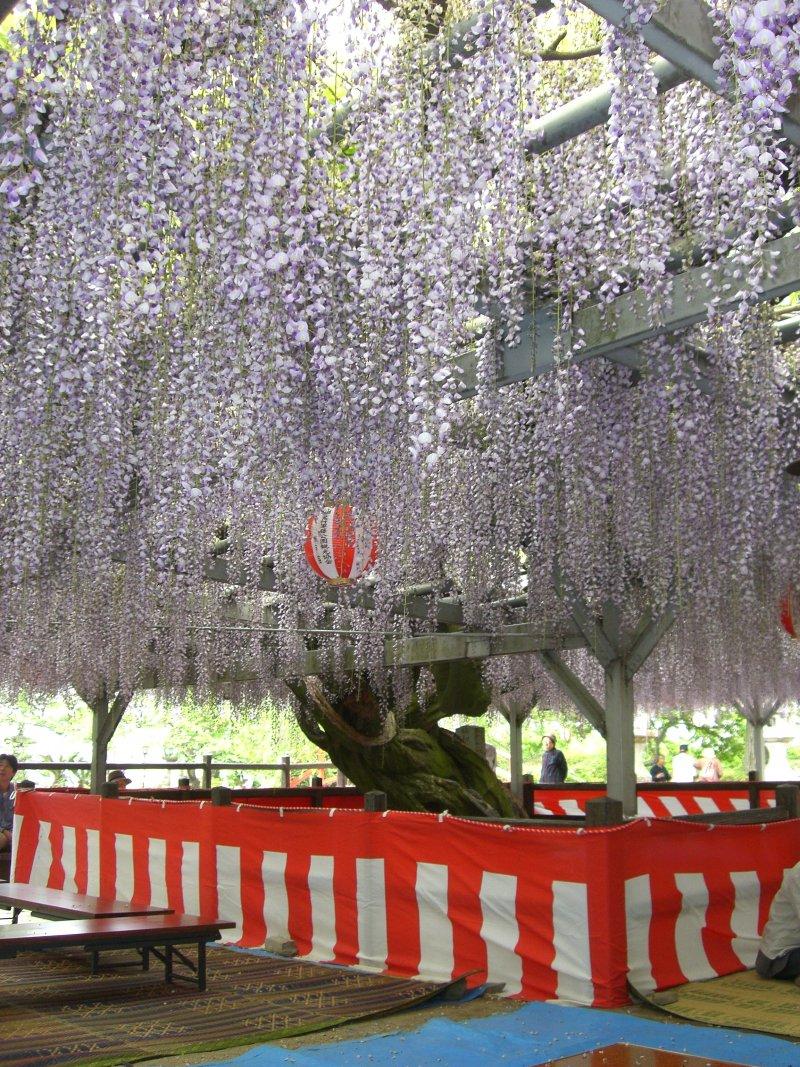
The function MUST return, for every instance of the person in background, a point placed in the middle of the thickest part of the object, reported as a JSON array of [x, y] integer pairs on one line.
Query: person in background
[[709, 767], [120, 780], [554, 764], [683, 766], [184, 784], [25, 786], [658, 771], [8, 768]]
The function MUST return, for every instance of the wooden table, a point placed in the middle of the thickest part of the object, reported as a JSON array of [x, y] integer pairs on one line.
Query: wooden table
[[145, 933], [625, 1055], [62, 904]]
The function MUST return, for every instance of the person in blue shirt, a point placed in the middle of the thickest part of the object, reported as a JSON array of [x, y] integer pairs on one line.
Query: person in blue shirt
[[554, 764], [8, 768]]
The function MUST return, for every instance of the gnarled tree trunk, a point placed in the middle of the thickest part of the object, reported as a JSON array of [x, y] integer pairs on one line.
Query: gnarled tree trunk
[[409, 756]]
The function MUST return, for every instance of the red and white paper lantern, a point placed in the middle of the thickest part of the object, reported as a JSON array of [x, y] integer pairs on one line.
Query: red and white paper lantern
[[790, 619], [337, 546]]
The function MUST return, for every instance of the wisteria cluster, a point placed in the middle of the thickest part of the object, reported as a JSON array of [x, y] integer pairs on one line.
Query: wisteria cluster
[[228, 301]]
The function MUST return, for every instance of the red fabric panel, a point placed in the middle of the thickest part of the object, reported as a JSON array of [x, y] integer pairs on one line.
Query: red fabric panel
[[664, 849], [536, 875]]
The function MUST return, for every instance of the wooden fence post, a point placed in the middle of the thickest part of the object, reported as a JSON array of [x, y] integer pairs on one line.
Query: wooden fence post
[[604, 811], [786, 797], [286, 771], [375, 800], [221, 796], [208, 759]]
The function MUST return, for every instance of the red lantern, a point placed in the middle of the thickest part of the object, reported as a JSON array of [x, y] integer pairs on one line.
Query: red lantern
[[337, 547], [787, 614]]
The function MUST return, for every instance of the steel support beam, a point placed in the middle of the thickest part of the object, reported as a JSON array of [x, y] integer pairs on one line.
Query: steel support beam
[[682, 32], [788, 330], [588, 111]]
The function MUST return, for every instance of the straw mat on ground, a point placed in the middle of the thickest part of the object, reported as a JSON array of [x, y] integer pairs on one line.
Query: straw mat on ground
[[53, 1012], [744, 1000]]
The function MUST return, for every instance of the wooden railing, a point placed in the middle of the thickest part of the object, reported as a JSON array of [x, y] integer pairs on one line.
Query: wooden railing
[[208, 768]]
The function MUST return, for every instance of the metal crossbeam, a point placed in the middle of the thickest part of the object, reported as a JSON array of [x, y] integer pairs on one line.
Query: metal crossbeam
[[682, 32]]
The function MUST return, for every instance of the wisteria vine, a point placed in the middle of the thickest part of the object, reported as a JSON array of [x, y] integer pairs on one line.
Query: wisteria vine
[[227, 302]]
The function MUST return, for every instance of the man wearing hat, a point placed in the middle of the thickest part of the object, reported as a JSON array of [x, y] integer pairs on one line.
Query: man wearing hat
[[120, 780]]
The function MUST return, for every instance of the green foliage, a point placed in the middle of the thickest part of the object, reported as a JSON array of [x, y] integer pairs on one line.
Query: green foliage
[[726, 735], [154, 731]]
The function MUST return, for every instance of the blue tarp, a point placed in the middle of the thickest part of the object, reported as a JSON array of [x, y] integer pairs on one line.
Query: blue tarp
[[534, 1034]]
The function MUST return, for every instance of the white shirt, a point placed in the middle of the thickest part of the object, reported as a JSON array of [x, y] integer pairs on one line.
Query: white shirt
[[683, 768], [782, 932]]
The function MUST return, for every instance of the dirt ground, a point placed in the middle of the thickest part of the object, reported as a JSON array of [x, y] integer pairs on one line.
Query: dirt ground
[[412, 1019]]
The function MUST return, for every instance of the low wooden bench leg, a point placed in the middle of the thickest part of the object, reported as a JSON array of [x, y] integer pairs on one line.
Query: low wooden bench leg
[[201, 966], [16, 915], [95, 961], [168, 963]]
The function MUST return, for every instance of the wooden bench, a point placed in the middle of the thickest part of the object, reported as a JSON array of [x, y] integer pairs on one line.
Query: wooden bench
[[145, 933], [62, 904]]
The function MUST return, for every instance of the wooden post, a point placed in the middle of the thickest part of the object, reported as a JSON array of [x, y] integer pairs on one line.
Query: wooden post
[[753, 789], [528, 798], [208, 759], [221, 796], [316, 782], [109, 790], [604, 811], [375, 800], [786, 797], [286, 771]]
